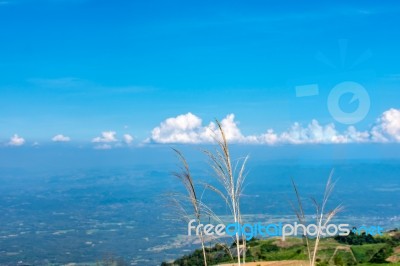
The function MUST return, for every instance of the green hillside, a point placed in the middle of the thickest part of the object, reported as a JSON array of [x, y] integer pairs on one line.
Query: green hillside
[[349, 250]]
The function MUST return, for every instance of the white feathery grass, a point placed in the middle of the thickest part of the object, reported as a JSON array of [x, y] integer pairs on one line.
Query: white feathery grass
[[186, 178], [232, 183], [231, 179], [322, 218]]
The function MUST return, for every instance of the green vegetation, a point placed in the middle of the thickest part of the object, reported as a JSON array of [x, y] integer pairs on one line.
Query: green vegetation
[[364, 250], [217, 254], [355, 239]]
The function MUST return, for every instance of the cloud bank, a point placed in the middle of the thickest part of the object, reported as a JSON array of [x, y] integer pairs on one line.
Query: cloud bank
[[189, 129]]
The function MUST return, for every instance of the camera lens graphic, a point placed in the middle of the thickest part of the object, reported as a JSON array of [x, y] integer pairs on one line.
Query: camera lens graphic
[[359, 94]]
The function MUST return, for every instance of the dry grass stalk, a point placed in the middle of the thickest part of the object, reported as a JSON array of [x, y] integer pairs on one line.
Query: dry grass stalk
[[322, 218]]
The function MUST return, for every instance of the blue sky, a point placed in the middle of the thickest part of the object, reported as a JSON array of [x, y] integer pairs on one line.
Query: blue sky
[[81, 67]]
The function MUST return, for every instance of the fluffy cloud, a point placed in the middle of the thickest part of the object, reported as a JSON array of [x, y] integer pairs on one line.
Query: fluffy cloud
[[188, 128], [387, 127], [231, 129], [352, 135], [16, 141], [269, 138], [106, 137], [127, 139], [60, 138], [181, 129], [313, 133], [109, 140]]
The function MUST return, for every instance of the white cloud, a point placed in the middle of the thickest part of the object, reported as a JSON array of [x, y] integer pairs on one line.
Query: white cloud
[[387, 127], [60, 138], [109, 140], [185, 128], [16, 141], [269, 138], [188, 128], [106, 137], [313, 133], [231, 129], [128, 139], [352, 135]]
